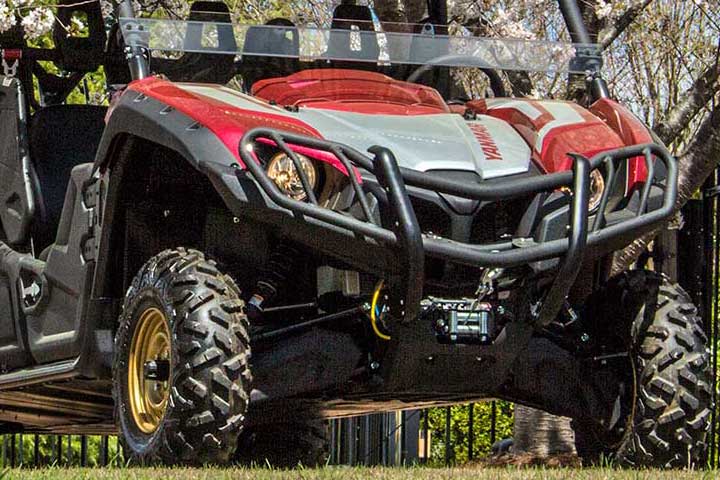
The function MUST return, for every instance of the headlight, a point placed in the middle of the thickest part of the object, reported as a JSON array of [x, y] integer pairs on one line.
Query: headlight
[[597, 187], [282, 171]]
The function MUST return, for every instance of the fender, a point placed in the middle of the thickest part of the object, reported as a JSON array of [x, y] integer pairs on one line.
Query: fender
[[229, 123], [137, 115], [141, 116], [631, 130], [552, 128]]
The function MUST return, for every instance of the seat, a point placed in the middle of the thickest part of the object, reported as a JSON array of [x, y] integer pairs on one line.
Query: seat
[[203, 67], [347, 22], [60, 138], [260, 42]]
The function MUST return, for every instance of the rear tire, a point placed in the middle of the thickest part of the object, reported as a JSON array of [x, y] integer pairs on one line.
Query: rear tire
[[673, 381], [285, 445], [195, 415]]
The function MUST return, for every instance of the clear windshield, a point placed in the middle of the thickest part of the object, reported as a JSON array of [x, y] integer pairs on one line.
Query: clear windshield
[[385, 46]]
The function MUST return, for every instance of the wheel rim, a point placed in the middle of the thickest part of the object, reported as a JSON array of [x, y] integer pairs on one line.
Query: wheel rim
[[148, 397]]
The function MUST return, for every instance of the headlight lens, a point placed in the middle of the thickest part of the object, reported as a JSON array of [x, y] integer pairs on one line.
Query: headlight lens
[[282, 171], [597, 187]]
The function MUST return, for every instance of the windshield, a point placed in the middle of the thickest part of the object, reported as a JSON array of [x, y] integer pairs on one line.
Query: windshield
[[382, 44]]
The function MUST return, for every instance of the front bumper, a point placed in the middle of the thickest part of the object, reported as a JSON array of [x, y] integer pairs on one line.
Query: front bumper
[[411, 245]]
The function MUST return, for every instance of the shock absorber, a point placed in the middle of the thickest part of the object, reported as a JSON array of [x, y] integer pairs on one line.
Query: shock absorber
[[282, 262]]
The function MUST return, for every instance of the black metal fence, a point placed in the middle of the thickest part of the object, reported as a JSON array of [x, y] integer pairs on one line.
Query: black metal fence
[[697, 268], [440, 436], [22, 450]]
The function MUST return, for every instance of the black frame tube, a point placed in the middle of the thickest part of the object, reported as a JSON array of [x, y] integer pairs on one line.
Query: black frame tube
[[570, 266], [137, 57], [411, 246], [573, 19], [299, 327], [489, 255], [590, 58]]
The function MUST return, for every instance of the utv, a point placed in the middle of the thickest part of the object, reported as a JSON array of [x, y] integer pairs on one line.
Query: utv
[[377, 245]]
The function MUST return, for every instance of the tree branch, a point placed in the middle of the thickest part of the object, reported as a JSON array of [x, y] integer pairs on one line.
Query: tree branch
[[695, 99], [611, 32], [694, 165], [700, 158]]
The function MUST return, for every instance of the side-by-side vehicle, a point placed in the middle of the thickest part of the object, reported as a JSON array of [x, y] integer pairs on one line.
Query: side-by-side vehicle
[[376, 242]]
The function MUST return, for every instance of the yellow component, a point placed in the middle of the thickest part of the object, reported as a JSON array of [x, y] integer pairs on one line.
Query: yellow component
[[373, 319], [148, 398]]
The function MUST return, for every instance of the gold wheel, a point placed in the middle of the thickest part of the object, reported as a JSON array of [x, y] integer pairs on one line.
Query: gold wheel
[[148, 370]]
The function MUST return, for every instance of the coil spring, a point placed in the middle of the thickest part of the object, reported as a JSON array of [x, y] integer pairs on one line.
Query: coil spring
[[280, 265]]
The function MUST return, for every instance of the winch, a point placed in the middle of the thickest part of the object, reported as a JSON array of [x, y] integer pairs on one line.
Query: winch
[[464, 321]]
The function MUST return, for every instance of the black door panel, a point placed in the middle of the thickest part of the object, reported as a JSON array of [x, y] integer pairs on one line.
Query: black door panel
[[16, 195]]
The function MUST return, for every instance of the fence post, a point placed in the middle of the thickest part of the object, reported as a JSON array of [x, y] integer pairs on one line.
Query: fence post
[[36, 450], [69, 451], [12, 451], [383, 439], [426, 431], [21, 458], [448, 440], [83, 450], [712, 307], [104, 454], [350, 440], [493, 422], [471, 408], [403, 438], [58, 453]]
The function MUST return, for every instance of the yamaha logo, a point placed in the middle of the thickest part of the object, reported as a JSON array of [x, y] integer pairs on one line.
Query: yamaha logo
[[487, 143]]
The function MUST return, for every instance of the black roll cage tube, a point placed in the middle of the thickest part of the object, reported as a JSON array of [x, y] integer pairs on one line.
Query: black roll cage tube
[[411, 245]]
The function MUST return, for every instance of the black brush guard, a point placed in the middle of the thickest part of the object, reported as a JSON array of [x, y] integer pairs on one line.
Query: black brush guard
[[411, 245]]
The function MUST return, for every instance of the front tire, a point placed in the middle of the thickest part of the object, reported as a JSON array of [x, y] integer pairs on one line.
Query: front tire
[[672, 376], [181, 368]]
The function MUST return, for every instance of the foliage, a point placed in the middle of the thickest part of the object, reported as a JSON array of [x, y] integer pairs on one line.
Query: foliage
[[48, 450], [459, 428]]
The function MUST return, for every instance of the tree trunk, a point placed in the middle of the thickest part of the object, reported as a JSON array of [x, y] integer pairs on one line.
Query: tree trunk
[[540, 434], [391, 10], [415, 10]]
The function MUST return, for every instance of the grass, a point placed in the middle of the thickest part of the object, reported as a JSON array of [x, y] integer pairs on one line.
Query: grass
[[348, 473]]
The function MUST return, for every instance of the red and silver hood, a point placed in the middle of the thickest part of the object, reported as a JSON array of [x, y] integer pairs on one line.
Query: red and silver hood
[[444, 141]]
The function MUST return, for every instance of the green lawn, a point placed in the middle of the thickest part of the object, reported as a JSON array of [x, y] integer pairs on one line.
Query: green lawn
[[354, 473]]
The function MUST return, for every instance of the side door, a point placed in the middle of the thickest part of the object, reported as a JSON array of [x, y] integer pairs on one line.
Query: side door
[[16, 209], [16, 195]]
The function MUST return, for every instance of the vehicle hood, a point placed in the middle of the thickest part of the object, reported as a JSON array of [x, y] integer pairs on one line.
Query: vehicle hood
[[487, 146], [446, 141]]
